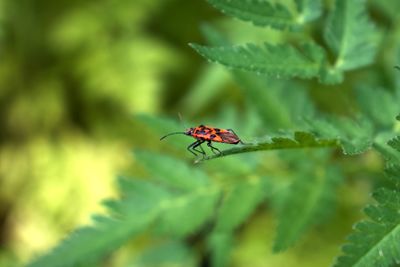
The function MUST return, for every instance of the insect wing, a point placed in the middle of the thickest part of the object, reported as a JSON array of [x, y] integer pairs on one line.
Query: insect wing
[[229, 137]]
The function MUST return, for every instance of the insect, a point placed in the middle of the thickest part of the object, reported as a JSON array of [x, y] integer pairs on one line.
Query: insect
[[208, 134]]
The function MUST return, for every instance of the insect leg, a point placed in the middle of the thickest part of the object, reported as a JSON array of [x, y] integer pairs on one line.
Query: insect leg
[[190, 147], [199, 142], [213, 148]]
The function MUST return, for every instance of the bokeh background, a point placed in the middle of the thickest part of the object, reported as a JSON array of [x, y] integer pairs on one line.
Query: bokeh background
[[74, 77]]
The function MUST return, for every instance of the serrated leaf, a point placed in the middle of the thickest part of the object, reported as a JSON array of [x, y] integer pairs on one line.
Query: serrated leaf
[[308, 10], [260, 13], [268, 13], [376, 242], [263, 93], [354, 135], [89, 244], [308, 201], [299, 140], [395, 143], [138, 196], [382, 112], [193, 194], [278, 60], [242, 199], [185, 213], [171, 171], [351, 35]]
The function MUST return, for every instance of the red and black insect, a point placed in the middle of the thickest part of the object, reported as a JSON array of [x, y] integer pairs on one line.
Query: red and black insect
[[208, 134]]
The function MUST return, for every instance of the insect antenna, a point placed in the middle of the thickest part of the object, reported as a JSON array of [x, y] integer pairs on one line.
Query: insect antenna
[[171, 134]]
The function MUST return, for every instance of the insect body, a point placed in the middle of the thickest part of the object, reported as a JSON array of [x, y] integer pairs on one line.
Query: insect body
[[208, 134]]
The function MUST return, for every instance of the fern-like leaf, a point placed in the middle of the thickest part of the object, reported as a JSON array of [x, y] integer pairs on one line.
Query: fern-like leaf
[[242, 199], [309, 200], [172, 253], [135, 212], [192, 208], [381, 113], [172, 172], [164, 205], [190, 190], [299, 140], [308, 10], [260, 13], [279, 60], [355, 136], [395, 143], [376, 242], [351, 35], [267, 13]]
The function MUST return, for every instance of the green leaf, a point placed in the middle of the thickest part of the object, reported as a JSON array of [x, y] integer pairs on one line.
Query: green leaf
[[260, 13], [309, 10], [299, 140], [376, 242], [267, 13], [238, 204], [171, 171], [220, 245], [185, 213], [172, 253], [279, 60], [395, 143], [382, 112], [263, 92], [309, 199], [92, 243], [351, 35], [354, 135]]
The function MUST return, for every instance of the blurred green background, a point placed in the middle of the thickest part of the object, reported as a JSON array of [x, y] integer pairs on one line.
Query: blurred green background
[[73, 77]]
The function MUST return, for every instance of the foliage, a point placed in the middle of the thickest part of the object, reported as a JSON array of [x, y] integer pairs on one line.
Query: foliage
[[309, 93], [349, 34]]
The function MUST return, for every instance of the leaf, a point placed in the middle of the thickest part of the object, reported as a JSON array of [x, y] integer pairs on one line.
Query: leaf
[[309, 10], [162, 126], [185, 213], [260, 13], [382, 112], [268, 13], [89, 243], [263, 92], [173, 253], [309, 200], [220, 245], [143, 203], [354, 135], [194, 193], [171, 171], [279, 60], [94, 242], [238, 204], [395, 143], [299, 140], [206, 89], [376, 242], [351, 35]]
